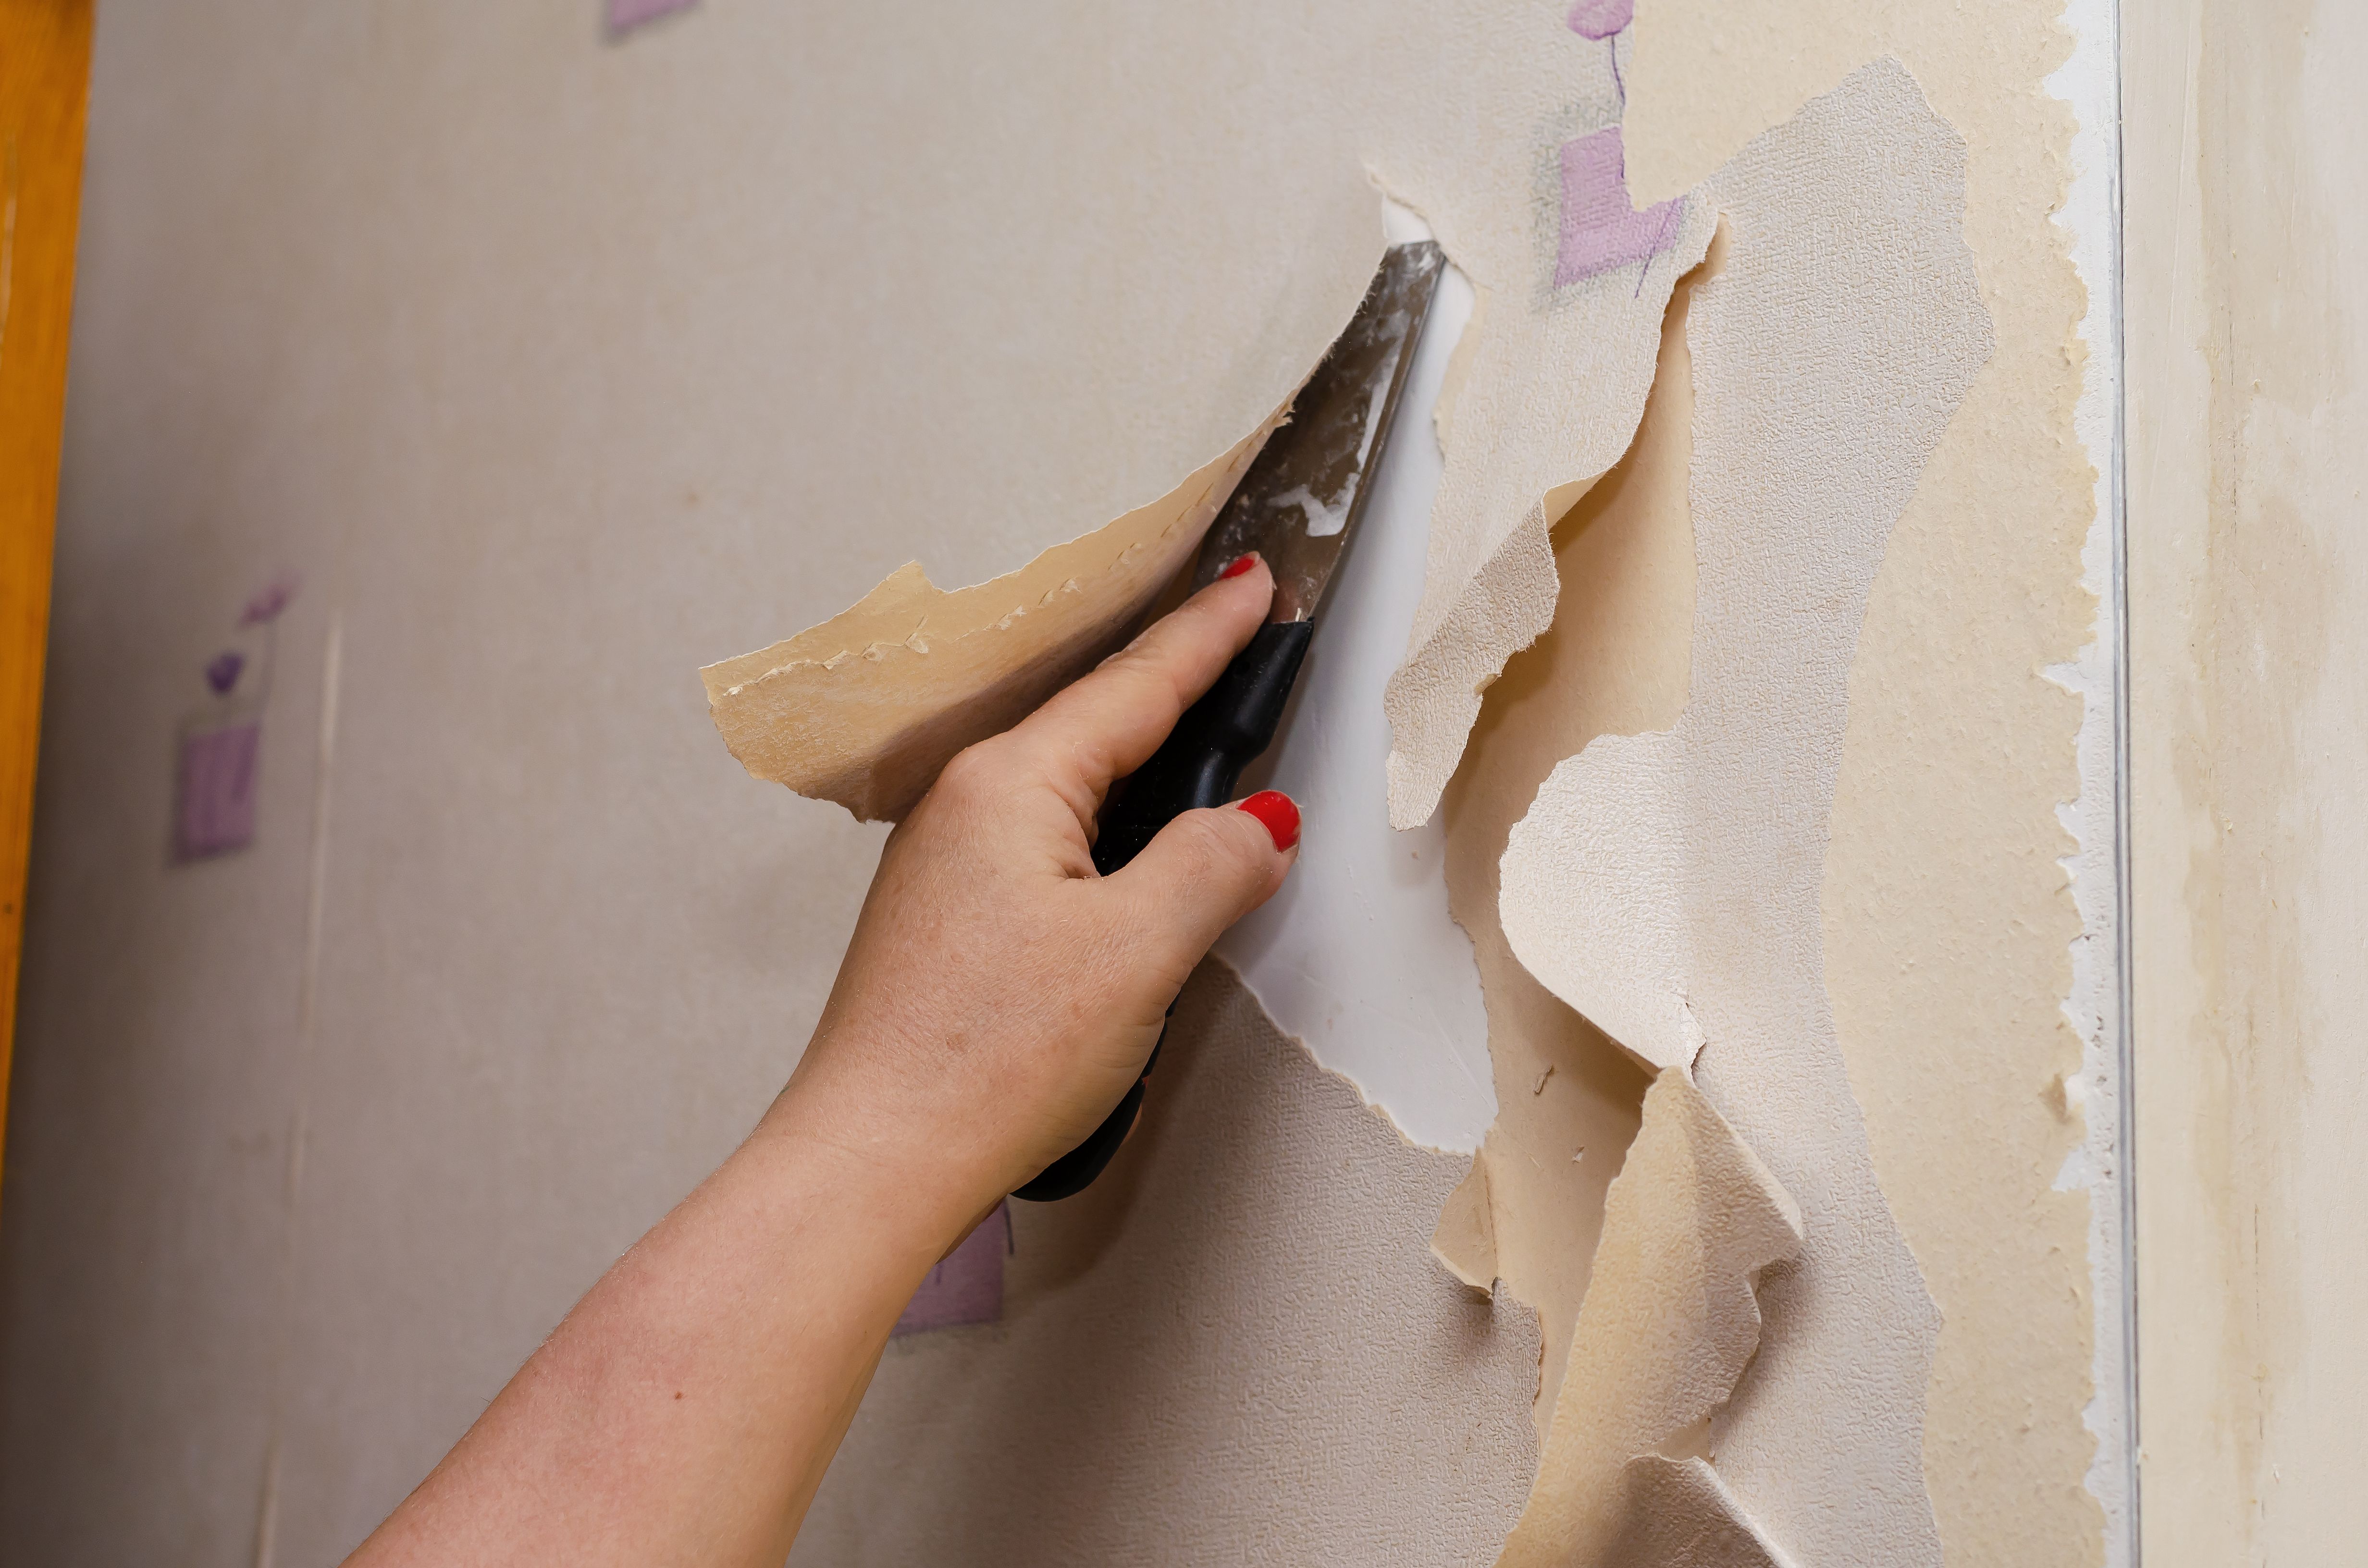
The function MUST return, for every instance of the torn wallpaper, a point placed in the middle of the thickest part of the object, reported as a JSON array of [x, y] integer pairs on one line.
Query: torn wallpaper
[[1614, 662], [641, 355], [1950, 937], [1669, 1326], [1666, 884], [1548, 402]]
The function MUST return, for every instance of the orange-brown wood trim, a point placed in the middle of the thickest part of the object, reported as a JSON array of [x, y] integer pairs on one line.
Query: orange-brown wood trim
[[44, 89]]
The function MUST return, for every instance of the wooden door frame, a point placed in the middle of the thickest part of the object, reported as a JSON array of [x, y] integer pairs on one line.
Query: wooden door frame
[[44, 93]]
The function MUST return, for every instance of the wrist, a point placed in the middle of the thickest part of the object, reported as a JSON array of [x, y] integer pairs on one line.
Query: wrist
[[893, 1156]]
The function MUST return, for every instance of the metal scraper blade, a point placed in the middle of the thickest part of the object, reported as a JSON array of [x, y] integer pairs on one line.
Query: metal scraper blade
[[1303, 495]]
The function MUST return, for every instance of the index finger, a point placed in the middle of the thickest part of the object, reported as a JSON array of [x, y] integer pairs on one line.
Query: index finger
[[1107, 724]]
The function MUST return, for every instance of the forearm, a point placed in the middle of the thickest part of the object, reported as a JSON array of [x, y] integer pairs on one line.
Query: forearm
[[686, 1410], [1000, 997]]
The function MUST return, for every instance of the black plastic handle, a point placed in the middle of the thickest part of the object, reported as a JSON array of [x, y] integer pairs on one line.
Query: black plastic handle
[[1197, 765]]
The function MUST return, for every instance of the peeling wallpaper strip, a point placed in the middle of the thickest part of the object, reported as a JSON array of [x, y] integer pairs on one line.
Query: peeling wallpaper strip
[[587, 219], [1664, 882], [1949, 925], [1614, 662], [1549, 401], [1669, 1326], [868, 706]]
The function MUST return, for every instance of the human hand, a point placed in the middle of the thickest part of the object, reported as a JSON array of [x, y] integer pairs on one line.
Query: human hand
[[1000, 996]]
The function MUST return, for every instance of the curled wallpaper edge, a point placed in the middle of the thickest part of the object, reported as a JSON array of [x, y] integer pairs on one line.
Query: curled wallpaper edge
[[1670, 1323], [867, 707], [1516, 462], [1680, 1513], [1614, 662], [1949, 927], [1465, 1241], [1668, 884]]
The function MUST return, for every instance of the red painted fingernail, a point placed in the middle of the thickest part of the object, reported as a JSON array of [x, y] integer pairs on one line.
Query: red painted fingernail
[[1240, 564], [1279, 811]]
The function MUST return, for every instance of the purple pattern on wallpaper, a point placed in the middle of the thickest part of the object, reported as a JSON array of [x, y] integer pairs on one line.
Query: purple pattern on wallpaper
[[216, 790], [966, 1286], [627, 14], [1599, 230]]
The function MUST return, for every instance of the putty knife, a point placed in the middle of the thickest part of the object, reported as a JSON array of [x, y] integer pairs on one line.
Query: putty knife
[[1298, 507]]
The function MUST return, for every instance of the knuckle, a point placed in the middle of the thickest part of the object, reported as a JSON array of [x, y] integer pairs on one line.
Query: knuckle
[[1211, 844], [974, 774], [1144, 662]]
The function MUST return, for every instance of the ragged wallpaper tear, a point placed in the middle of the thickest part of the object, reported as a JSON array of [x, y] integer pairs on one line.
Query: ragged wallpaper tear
[[1666, 884], [643, 352], [866, 707], [1159, 1388], [1949, 932], [1547, 402], [1670, 1324], [1614, 662]]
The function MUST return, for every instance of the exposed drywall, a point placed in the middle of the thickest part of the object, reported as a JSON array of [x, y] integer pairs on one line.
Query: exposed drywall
[[1358, 954], [1948, 928], [1157, 1393], [2248, 330]]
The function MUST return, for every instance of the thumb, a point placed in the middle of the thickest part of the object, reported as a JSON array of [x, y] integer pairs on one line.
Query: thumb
[[1206, 869]]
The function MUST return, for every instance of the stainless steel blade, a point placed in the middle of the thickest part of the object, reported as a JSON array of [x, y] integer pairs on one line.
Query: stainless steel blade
[[1301, 501]]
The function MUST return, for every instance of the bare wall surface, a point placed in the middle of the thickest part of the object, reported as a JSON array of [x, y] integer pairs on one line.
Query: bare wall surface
[[2248, 332]]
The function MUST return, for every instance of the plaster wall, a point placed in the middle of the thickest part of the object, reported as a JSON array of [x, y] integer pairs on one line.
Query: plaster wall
[[2248, 625]]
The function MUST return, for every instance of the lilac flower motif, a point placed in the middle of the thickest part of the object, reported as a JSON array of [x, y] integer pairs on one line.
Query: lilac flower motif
[[1599, 230], [1599, 19], [222, 670], [271, 598]]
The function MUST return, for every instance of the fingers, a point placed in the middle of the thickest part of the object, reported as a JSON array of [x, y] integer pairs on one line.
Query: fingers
[[1105, 725], [1205, 871]]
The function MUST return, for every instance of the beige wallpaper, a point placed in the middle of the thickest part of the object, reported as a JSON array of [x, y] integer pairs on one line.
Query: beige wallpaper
[[558, 367]]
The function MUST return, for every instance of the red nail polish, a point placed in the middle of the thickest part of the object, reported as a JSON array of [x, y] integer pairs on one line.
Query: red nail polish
[[1240, 564], [1279, 811]]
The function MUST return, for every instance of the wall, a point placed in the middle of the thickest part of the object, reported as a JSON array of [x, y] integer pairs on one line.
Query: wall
[[556, 367], [560, 366], [2247, 329]]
